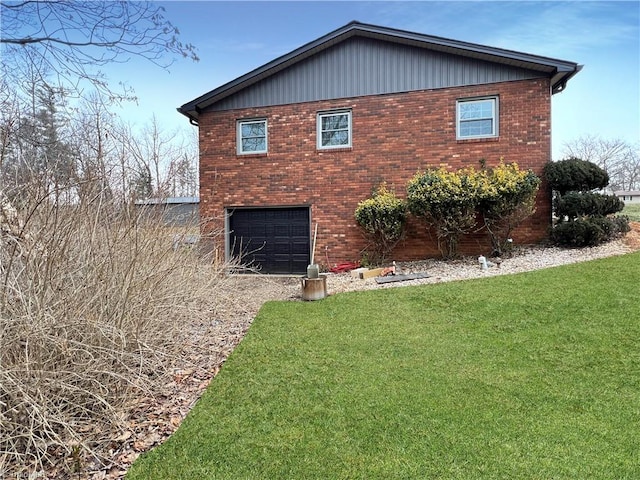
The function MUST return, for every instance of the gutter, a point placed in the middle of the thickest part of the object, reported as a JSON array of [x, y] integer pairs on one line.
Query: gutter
[[560, 85]]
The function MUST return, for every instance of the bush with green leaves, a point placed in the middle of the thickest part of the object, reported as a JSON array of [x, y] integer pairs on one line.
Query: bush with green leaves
[[507, 197], [583, 217], [383, 219], [578, 204], [589, 231], [575, 175], [447, 201]]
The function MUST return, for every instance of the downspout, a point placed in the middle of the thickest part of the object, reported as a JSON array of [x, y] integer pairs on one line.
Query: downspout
[[192, 120], [560, 86]]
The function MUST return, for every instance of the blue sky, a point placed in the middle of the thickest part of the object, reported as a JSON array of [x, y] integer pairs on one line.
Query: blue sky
[[235, 37]]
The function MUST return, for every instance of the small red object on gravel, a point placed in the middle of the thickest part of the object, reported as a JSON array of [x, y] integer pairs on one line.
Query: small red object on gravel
[[344, 267]]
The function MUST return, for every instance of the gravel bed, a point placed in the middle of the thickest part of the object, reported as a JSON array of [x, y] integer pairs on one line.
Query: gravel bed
[[261, 288], [523, 260]]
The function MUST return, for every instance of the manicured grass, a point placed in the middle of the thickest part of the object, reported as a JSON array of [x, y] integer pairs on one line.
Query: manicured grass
[[534, 375], [632, 210]]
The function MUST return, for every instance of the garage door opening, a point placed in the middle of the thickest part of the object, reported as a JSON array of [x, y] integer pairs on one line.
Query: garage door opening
[[272, 240]]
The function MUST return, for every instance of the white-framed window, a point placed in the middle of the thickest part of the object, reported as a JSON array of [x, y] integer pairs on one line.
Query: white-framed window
[[477, 118], [334, 129], [252, 136]]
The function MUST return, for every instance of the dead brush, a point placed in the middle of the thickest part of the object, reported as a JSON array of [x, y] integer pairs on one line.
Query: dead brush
[[93, 303]]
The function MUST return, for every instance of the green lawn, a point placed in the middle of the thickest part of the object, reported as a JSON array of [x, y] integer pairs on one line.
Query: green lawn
[[529, 376], [632, 210]]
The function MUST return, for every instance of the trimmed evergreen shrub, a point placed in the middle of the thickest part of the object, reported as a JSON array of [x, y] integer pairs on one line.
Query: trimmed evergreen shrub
[[589, 231], [577, 233], [574, 174], [584, 218], [383, 219], [578, 204], [621, 225]]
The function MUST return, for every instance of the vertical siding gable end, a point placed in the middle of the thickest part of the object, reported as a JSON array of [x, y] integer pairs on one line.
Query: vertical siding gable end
[[363, 66]]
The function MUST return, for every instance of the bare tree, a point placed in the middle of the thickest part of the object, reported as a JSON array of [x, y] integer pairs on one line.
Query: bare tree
[[35, 139], [616, 156], [183, 170], [9, 119], [94, 149], [74, 39], [52, 49], [631, 169], [155, 157]]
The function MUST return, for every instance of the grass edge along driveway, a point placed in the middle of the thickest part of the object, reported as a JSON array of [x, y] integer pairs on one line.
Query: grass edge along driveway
[[535, 375]]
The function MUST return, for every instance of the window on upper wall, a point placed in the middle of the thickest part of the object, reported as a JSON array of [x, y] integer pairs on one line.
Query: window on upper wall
[[252, 136], [334, 129], [477, 118]]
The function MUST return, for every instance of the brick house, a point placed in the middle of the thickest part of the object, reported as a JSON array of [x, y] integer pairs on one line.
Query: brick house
[[301, 140]]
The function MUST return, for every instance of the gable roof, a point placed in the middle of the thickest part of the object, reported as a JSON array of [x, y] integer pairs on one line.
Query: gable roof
[[559, 71]]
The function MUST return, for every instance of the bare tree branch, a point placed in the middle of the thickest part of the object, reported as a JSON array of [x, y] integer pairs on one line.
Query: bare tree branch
[[74, 39]]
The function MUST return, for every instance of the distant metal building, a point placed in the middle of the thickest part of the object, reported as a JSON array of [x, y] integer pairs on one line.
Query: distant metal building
[[173, 211]]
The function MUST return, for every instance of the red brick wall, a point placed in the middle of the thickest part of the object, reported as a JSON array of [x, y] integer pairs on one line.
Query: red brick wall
[[394, 136]]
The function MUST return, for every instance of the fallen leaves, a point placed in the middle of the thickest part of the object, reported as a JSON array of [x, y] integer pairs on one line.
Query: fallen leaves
[[632, 238]]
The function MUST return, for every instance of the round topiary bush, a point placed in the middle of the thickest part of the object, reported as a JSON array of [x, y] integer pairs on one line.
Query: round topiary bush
[[584, 218], [578, 204], [574, 174], [589, 231], [582, 232]]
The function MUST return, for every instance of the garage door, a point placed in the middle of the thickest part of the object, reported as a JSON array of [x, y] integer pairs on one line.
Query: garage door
[[277, 240]]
